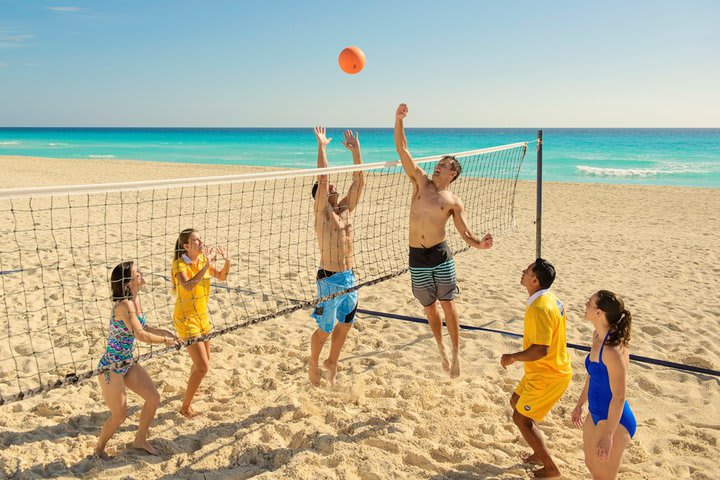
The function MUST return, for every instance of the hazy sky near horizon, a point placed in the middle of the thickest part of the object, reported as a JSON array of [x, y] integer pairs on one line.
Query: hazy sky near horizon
[[458, 63]]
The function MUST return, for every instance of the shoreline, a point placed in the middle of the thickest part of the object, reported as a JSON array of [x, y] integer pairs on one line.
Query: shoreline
[[21, 174]]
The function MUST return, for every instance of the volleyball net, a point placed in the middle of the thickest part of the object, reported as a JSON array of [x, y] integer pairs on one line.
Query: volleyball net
[[61, 243]]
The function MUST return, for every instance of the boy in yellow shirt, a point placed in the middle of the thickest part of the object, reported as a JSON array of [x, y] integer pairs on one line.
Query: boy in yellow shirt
[[547, 363]]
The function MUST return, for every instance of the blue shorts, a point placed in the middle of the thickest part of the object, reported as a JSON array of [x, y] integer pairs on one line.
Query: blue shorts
[[337, 309]]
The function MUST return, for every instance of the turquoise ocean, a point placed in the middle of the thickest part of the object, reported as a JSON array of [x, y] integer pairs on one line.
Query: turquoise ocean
[[678, 157]]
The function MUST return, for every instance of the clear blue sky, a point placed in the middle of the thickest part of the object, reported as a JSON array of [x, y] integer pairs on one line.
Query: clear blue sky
[[569, 63]]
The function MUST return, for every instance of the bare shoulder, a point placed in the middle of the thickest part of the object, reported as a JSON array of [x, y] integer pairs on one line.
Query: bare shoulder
[[455, 202], [324, 213], [124, 307], [615, 354], [424, 181]]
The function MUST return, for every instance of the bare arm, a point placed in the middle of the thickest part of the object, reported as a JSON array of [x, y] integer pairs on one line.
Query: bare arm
[[126, 311], [458, 214], [577, 411], [357, 188], [530, 354], [321, 197], [411, 168], [188, 283], [612, 358], [221, 274]]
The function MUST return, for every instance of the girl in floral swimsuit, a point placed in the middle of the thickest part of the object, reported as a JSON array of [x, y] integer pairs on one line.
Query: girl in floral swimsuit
[[127, 324]]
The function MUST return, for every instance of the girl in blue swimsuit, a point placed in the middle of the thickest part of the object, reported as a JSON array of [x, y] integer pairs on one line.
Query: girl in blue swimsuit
[[127, 324], [611, 424]]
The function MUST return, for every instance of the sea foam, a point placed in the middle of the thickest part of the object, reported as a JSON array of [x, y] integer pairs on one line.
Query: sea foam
[[638, 172]]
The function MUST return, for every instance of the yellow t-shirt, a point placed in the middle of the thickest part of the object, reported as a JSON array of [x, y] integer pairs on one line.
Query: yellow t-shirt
[[191, 304], [545, 325]]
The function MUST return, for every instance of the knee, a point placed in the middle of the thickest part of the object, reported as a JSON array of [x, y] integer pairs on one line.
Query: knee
[[321, 335], [153, 399], [517, 418], [118, 417], [430, 309], [520, 420], [202, 368], [447, 305]]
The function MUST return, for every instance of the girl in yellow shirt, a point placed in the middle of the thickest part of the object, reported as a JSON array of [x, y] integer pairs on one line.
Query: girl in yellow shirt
[[191, 271]]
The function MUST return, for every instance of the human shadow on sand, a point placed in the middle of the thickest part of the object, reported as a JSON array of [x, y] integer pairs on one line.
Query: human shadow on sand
[[262, 458], [125, 462]]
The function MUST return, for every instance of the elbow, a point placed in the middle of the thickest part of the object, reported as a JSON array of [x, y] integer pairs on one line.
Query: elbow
[[618, 398], [542, 351]]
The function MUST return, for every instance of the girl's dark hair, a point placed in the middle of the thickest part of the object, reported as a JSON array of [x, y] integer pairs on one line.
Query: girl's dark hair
[[179, 250], [618, 317], [182, 240], [119, 281]]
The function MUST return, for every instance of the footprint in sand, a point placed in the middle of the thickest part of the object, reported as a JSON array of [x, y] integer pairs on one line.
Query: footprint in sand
[[420, 461], [648, 386], [383, 445], [443, 455], [699, 362], [651, 330]]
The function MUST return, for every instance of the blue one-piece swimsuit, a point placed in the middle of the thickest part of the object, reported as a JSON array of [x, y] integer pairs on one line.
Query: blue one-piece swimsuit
[[599, 394]]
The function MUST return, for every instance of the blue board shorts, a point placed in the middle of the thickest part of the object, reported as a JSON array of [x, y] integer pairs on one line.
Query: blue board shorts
[[340, 309]]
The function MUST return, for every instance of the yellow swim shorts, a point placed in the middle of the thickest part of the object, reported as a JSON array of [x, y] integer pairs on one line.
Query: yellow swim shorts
[[538, 394], [190, 327]]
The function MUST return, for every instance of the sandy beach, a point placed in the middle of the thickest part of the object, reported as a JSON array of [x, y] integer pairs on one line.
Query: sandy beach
[[394, 413]]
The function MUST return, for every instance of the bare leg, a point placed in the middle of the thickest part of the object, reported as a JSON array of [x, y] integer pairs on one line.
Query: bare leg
[[532, 435], [316, 344], [591, 434], [436, 326], [453, 326], [339, 335], [201, 364], [116, 400], [138, 380]]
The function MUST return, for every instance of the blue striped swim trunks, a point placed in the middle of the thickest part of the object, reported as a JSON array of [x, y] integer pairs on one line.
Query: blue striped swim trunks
[[432, 272]]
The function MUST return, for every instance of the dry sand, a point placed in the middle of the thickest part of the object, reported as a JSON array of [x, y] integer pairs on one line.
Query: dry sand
[[394, 413]]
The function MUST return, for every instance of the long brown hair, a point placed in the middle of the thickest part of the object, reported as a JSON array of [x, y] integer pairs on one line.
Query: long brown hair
[[180, 250], [618, 317], [182, 240], [120, 280]]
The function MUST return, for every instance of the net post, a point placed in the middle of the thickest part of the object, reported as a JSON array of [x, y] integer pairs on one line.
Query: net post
[[538, 201]]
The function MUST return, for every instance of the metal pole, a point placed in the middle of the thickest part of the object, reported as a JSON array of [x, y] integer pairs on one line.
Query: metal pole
[[538, 202]]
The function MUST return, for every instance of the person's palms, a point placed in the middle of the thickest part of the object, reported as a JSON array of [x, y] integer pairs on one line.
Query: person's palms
[[320, 135], [351, 141]]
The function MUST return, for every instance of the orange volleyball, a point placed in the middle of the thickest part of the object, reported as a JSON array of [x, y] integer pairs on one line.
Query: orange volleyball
[[351, 60]]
